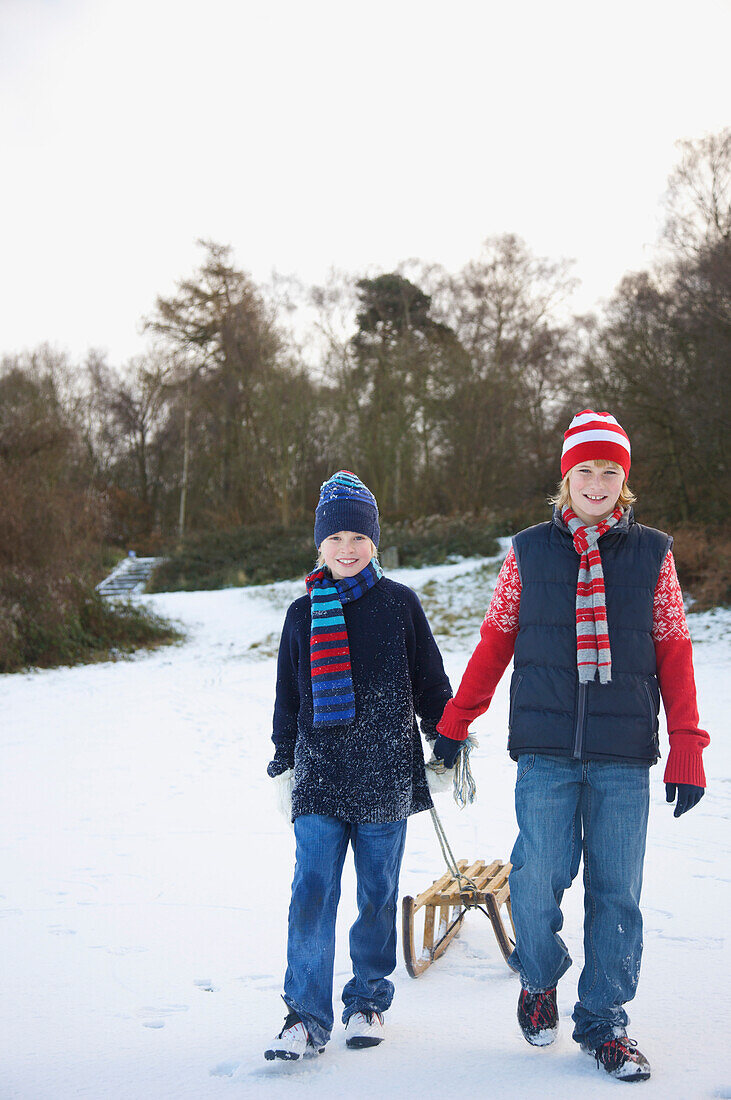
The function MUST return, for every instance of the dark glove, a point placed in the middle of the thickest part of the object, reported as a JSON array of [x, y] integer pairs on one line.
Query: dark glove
[[447, 749], [688, 796], [276, 767]]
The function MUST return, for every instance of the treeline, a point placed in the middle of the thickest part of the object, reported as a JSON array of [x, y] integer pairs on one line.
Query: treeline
[[53, 525], [447, 393]]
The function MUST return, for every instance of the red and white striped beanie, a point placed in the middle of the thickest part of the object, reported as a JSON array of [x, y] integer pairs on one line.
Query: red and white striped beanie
[[592, 435]]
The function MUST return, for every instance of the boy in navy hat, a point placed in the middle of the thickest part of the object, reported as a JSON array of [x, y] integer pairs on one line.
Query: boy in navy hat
[[357, 663]]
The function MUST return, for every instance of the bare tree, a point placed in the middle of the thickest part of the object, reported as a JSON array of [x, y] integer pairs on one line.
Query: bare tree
[[698, 198], [504, 308]]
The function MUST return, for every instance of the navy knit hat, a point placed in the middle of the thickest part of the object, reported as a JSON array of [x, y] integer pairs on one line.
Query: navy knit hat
[[346, 504]]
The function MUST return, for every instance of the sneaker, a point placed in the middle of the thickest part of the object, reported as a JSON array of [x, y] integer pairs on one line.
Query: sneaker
[[621, 1059], [294, 1041], [538, 1016], [365, 1029]]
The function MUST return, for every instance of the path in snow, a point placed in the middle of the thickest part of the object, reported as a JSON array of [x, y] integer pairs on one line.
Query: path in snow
[[145, 883]]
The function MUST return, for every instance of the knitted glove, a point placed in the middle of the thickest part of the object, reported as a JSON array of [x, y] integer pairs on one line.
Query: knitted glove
[[688, 796], [283, 784], [275, 767], [447, 749]]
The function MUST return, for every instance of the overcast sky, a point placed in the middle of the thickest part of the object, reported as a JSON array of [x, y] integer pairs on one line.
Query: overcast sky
[[311, 135]]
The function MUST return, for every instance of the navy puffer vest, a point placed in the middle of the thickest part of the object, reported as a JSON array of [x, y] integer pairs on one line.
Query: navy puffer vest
[[550, 712]]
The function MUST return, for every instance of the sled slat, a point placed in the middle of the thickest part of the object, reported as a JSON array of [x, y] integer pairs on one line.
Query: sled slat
[[492, 879], [436, 887], [470, 872], [502, 895]]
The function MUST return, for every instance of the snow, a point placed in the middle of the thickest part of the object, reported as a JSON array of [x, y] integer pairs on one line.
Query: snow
[[146, 876]]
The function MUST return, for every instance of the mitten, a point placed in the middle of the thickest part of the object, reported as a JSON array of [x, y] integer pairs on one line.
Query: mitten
[[283, 784], [439, 779], [688, 796]]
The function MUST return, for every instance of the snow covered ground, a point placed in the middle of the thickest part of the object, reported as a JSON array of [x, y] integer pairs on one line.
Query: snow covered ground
[[145, 882]]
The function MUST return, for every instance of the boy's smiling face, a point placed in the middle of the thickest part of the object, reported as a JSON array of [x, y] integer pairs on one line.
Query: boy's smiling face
[[595, 490], [346, 553]]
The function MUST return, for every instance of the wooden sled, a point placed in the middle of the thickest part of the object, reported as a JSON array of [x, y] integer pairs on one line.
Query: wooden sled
[[491, 891]]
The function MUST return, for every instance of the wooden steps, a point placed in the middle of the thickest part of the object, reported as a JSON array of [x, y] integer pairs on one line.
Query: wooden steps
[[130, 576]]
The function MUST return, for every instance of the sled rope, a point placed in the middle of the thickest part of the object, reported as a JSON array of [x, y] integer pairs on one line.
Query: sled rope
[[467, 887], [464, 790], [447, 852]]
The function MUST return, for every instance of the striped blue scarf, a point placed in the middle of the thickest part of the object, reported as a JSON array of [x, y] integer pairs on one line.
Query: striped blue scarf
[[332, 676]]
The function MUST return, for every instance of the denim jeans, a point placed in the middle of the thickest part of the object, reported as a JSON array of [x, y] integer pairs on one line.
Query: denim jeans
[[322, 843], [566, 808]]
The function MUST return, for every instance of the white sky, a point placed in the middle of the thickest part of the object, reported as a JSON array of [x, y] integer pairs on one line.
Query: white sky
[[313, 134]]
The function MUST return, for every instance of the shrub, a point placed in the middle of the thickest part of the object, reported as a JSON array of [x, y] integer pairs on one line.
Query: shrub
[[246, 555], [260, 555], [431, 540], [703, 559], [46, 622]]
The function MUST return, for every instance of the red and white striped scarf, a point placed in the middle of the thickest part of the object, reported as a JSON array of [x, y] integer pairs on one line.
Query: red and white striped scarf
[[592, 632]]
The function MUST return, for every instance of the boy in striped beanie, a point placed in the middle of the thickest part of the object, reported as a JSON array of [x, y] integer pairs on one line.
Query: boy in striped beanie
[[589, 606], [357, 662]]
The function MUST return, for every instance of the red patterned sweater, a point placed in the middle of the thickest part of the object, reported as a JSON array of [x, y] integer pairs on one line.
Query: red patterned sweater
[[673, 651]]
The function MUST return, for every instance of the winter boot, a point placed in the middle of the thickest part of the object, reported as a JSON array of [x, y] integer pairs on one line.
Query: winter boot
[[621, 1059], [294, 1041], [365, 1029], [538, 1016]]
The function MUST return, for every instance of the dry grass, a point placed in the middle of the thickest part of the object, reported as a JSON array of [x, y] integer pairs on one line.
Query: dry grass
[[703, 559]]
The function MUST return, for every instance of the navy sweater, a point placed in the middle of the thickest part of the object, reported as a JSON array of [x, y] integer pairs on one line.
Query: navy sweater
[[373, 769]]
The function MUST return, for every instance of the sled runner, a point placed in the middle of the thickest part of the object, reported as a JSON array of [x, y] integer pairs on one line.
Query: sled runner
[[476, 886]]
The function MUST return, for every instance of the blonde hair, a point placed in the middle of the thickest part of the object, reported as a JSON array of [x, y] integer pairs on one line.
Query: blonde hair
[[562, 496], [321, 561]]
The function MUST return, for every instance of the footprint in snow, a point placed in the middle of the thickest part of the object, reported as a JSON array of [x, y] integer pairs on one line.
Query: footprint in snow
[[206, 985], [261, 981], [225, 1069], [153, 1014]]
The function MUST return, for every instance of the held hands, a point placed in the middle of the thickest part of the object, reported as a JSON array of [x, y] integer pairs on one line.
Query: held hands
[[447, 749], [688, 796], [449, 768], [440, 767]]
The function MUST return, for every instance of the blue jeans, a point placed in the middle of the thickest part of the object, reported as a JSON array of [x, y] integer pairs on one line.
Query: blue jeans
[[322, 843], [565, 807]]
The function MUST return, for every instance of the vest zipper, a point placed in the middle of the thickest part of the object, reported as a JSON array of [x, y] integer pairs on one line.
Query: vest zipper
[[651, 703], [580, 720], [512, 702], [653, 719]]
